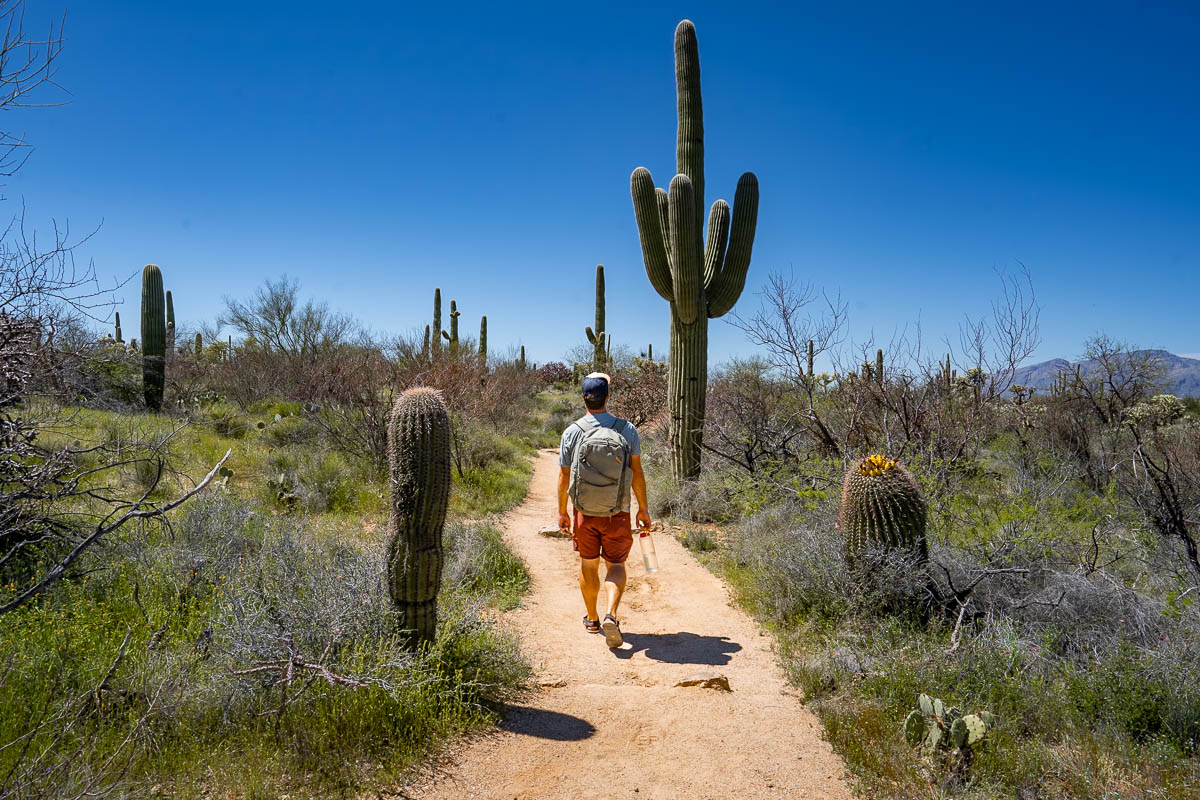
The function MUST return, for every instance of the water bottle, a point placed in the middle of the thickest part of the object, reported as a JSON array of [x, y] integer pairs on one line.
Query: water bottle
[[646, 541]]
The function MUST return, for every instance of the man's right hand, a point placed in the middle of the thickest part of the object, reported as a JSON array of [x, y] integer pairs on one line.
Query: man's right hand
[[564, 523]]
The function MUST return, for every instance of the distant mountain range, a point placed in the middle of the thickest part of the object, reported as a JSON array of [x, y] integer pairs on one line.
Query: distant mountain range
[[1183, 374]]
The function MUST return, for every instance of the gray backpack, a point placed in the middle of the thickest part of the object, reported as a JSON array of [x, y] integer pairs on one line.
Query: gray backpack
[[600, 475]]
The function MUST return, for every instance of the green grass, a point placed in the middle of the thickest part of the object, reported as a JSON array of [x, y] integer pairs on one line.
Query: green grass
[[298, 519]]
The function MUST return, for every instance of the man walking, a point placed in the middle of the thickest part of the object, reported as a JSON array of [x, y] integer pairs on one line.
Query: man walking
[[600, 461]]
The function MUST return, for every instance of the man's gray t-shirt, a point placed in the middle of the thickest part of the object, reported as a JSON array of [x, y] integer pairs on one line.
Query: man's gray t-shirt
[[571, 435]]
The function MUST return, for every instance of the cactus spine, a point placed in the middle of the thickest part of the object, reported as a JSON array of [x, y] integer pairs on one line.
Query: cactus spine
[[419, 466], [881, 507], [597, 336], [119, 340], [700, 280], [483, 339], [436, 342], [154, 337]]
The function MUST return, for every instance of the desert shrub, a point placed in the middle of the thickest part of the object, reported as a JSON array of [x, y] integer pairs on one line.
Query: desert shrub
[[241, 649], [314, 481], [554, 373], [480, 564]]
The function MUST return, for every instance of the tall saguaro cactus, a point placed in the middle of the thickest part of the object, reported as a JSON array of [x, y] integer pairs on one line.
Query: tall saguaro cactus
[[483, 339], [117, 323], [170, 311], [154, 337], [454, 315], [419, 470], [436, 341], [700, 279], [596, 337]]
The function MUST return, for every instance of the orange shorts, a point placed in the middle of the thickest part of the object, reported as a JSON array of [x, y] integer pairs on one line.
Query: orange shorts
[[611, 537]]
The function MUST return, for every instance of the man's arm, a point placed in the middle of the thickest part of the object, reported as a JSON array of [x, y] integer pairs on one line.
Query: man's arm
[[564, 482], [639, 491]]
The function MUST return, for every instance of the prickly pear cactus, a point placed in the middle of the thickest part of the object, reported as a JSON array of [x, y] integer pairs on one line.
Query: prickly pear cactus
[[154, 337], [700, 278], [947, 735], [419, 471], [881, 507]]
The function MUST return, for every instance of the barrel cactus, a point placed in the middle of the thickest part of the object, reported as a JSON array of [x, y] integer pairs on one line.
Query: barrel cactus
[[154, 337], [881, 507], [597, 336], [700, 279], [419, 467]]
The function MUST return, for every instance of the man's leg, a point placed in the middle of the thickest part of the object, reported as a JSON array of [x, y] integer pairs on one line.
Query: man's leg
[[614, 585], [589, 584]]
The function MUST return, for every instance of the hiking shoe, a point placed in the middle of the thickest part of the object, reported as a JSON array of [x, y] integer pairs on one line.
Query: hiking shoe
[[591, 625], [612, 631]]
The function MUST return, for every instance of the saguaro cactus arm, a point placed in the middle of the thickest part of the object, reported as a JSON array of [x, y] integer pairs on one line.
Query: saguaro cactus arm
[[652, 231], [726, 286]]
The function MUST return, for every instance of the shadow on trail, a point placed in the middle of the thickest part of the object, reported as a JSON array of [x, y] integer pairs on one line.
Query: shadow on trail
[[539, 722], [680, 648]]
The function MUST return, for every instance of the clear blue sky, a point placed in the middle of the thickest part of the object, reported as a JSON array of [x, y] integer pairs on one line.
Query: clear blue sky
[[375, 150]]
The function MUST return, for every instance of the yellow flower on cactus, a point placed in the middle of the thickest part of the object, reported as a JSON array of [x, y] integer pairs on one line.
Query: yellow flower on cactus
[[875, 465]]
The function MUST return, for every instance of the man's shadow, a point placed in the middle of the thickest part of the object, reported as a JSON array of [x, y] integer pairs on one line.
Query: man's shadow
[[679, 648], [544, 724]]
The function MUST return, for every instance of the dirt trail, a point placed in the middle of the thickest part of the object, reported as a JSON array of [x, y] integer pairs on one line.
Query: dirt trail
[[612, 724]]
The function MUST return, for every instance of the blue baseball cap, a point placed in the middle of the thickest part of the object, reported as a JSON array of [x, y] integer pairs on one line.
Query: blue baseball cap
[[595, 385]]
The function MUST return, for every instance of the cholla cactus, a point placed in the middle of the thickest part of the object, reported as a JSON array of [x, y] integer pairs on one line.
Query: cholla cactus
[[419, 468], [882, 507], [1158, 411]]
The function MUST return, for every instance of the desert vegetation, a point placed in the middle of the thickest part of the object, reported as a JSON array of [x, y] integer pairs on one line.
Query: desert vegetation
[[1033, 559], [259, 555]]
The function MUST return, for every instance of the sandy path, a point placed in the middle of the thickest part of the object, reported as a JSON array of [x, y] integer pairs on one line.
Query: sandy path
[[612, 724]]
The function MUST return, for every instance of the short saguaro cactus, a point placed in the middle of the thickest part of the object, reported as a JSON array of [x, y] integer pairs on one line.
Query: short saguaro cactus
[[419, 472]]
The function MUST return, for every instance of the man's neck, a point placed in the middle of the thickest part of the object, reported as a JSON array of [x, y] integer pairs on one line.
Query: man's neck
[[597, 411]]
